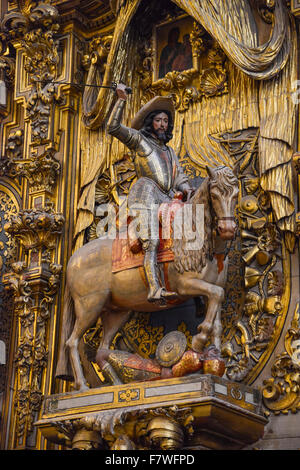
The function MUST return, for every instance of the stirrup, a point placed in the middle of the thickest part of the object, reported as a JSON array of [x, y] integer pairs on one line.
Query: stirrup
[[161, 295]]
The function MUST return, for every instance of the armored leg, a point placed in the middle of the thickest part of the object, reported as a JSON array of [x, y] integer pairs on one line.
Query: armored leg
[[147, 231], [156, 292]]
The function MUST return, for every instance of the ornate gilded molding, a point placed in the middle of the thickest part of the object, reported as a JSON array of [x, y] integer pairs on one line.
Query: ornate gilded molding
[[258, 280], [33, 296], [296, 160], [13, 152], [298, 224], [98, 50], [295, 7], [14, 147], [266, 10], [41, 172], [35, 26], [34, 279], [7, 63], [169, 414], [178, 84], [36, 228], [281, 393], [159, 428], [8, 255], [166, 428], [7, 67]]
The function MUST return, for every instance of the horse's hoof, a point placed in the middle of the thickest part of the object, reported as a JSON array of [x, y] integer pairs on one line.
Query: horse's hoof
[[197, 344]]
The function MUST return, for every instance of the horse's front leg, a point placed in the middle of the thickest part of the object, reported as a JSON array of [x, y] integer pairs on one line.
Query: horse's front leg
[[217, 330], [215, 295]]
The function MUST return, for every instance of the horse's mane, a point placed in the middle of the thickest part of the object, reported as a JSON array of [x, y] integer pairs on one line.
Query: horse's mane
[[195, 260]]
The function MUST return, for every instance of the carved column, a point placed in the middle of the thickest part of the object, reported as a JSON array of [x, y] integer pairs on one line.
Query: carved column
[[42, 156], [34, 279]]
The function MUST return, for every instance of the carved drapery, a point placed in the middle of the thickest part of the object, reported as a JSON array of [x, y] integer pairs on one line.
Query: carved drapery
[[262, 78], [232, 25], [98, 150], [266, 100], [96, 112]]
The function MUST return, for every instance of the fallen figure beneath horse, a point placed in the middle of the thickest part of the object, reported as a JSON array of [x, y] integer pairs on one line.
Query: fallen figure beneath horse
[[93, 289], [172, 360]]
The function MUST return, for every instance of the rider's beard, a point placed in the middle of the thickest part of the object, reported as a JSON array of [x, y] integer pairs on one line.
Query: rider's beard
[[161, 135]]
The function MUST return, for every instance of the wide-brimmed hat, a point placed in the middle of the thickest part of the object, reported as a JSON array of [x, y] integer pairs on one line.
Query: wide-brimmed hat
[[158, 103]]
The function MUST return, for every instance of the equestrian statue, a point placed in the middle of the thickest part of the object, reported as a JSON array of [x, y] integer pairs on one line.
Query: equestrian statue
[[95, 289]]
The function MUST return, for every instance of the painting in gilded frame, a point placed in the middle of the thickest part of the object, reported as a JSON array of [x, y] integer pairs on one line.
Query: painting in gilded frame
[[172, 47]]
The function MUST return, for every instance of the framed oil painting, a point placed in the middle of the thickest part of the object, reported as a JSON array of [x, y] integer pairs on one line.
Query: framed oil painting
[[172, 47]]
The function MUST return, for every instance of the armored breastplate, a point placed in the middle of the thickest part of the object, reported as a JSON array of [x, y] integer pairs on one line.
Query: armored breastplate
[[156, 163]]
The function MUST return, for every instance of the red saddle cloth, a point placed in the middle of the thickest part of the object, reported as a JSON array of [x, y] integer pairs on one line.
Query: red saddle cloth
[[124, 256]]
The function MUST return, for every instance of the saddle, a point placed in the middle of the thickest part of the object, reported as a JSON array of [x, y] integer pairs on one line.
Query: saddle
[[127, 252]]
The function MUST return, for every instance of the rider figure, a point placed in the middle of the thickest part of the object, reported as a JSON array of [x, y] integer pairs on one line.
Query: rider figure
[[158, 171]]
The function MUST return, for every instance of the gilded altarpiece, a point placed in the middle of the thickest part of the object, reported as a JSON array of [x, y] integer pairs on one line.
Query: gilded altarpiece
[[56, 152]]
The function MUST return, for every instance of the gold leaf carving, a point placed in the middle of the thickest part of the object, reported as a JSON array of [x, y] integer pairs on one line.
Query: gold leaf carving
[[281, 393], [187, 86]]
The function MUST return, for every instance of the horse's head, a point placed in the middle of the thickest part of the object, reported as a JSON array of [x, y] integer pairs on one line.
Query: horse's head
[[223, 191]]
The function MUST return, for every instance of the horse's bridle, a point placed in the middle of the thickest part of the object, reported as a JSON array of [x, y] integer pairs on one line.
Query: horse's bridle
[[217, 219]]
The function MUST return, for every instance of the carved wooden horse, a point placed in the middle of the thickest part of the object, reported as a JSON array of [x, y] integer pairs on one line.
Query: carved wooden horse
[[92, 290]]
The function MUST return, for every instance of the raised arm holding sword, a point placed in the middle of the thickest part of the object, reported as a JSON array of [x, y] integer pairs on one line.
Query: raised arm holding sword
[[159, 174]]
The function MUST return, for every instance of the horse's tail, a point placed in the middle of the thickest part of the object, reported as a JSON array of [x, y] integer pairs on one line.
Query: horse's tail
[[63, 368]]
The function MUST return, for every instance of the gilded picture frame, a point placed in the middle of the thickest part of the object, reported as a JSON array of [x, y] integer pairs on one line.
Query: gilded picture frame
[[172, 49]]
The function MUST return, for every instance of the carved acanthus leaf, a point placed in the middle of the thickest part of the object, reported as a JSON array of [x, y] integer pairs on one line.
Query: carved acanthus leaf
[[36, 228]]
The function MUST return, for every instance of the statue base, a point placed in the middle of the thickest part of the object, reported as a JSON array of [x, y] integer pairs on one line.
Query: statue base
[[184, 413]]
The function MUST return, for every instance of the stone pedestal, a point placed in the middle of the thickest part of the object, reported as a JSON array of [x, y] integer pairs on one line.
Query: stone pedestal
[[184, 413]]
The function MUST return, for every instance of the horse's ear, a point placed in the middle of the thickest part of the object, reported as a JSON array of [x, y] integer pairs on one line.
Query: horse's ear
[[210, 172], [236, 169]]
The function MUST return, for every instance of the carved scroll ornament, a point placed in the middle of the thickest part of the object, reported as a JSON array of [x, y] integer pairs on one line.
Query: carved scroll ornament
[[35, 25], [281, 393]]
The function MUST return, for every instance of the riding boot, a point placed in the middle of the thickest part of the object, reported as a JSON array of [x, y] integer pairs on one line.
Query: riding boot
[[156, 292]]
